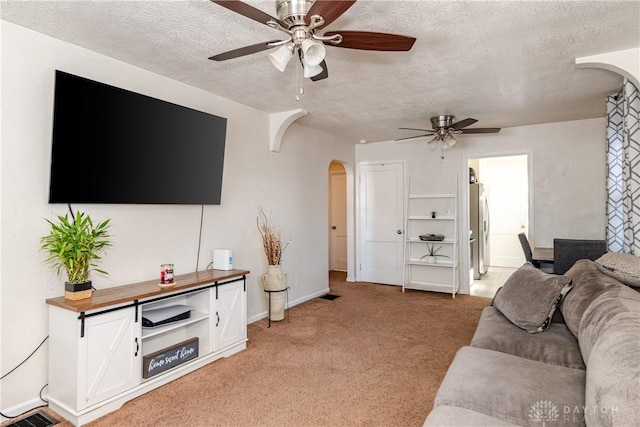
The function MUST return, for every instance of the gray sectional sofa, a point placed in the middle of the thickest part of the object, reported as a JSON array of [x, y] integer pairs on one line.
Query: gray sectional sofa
[[583, 368]]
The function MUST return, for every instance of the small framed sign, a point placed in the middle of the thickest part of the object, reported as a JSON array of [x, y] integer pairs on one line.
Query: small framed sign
[[170, 357]]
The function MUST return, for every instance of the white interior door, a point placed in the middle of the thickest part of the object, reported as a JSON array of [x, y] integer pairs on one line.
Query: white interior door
[[381, 217], [507, 181], [338, 222]]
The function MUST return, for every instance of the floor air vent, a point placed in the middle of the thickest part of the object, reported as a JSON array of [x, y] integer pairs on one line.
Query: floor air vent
[[38, 419], [330, 297]]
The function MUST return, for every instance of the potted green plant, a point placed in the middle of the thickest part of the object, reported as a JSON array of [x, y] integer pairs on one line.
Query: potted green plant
[[432, 253], [74, 245]]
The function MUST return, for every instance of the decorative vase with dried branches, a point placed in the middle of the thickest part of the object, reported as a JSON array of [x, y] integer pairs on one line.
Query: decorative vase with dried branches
[[274, 280], [271, 239]]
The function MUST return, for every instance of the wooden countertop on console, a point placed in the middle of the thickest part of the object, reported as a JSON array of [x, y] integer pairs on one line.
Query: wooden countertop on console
[[137, 291]]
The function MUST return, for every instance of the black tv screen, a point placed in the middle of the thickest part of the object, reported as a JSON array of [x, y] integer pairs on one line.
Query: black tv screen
[[111, 145]]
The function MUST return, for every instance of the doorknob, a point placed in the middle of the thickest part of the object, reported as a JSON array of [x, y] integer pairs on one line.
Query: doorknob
[[399, 231], [333, 228]]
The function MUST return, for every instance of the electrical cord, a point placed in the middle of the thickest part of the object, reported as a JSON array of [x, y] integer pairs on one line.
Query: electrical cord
[[10, 417], [25, 360], [200, 236], [28, 357], [29, 410], [39, 394], [73, 217]]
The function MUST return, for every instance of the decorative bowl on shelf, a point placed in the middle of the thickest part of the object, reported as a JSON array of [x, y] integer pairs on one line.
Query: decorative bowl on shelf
[[432, 237]]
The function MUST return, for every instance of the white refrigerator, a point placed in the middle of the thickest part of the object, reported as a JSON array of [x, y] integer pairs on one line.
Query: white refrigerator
[[479, 225]]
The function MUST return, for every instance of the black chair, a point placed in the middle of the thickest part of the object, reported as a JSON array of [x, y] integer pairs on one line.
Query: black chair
[[526, 248], [544, 264], [567, 251]]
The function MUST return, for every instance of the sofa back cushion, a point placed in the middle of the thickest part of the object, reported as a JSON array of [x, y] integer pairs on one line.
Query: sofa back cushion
[[609, 339], [588, 282], [530, 296], [622, 267]]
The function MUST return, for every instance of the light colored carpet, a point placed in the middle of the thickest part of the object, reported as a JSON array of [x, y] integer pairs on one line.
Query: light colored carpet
[[373, 357]]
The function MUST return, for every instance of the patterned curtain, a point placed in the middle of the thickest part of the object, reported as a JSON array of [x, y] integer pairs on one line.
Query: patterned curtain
[[623, 175]]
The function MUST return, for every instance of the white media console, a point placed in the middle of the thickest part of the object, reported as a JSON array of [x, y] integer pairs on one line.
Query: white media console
[[101, 356]]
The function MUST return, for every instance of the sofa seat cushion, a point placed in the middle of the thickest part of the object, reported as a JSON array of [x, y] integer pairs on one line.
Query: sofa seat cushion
[[455, 416], [610, 341], [556, 345], [512, 388], [588, 283]]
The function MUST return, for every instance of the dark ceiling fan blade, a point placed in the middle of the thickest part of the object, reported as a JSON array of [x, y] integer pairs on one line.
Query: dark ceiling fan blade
[[247, 50], [481, 130], [246, 10], [463, 123], [420, 130], [323, 75], [330, 10], [413, 137], [366, 40]]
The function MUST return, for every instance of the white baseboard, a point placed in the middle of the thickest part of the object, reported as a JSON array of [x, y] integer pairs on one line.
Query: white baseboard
[[305, 298], [21, 408]]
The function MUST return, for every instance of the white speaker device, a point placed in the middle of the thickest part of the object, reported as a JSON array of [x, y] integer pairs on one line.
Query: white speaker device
[[222, 259]]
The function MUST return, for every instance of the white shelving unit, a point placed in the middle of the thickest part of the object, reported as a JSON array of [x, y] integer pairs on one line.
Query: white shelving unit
[[443, 274]]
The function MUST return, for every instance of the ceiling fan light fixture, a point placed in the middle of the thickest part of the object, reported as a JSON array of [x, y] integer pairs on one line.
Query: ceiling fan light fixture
[[281, 57], [433, 143], [311, 70], [313, 51], [449, 142]]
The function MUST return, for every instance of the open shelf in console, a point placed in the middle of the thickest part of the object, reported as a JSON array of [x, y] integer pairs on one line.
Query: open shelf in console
[[158, 330], [197, 325]]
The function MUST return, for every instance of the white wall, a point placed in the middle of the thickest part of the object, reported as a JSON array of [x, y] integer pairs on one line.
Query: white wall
[[291, 185], [568, 175]]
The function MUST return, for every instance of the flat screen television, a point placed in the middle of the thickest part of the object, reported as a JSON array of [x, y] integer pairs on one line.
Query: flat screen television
[[111, 145]]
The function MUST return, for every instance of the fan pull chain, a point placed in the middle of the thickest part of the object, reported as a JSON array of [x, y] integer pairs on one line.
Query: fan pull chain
[[299, 90]]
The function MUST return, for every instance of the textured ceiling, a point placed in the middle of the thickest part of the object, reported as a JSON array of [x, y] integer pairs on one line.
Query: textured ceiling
[[505, 63]]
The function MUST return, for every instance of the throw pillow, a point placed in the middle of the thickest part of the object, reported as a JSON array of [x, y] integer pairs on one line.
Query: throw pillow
[[623, 267], [530, 297]]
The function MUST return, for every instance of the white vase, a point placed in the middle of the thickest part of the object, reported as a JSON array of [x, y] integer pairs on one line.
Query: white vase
[[275, 280]]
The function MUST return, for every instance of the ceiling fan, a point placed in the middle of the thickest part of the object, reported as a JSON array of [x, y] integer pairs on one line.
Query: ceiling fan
[[444, 129], [300, 19]]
